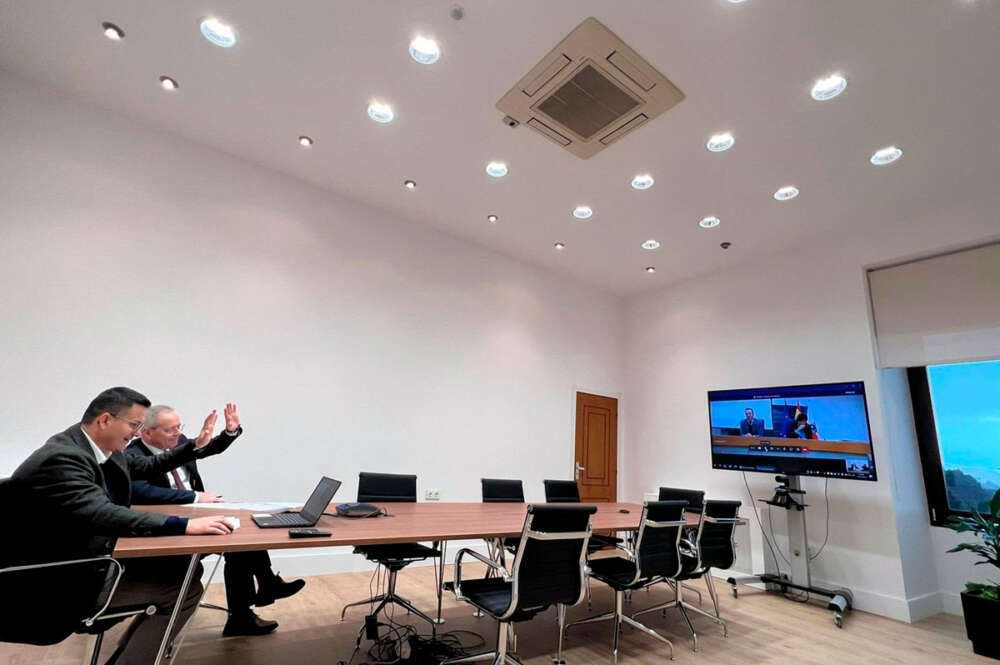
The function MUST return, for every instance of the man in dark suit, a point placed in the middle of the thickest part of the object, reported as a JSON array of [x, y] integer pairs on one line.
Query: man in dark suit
[[70, 500], [751, 426], [162, 433]]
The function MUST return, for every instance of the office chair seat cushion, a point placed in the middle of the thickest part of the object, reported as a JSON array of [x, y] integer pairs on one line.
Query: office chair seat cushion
[[397, 555], [493, 595], [615, 571]]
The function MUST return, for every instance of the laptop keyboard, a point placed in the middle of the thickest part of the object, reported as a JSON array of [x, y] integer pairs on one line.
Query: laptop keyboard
[[291, 519]]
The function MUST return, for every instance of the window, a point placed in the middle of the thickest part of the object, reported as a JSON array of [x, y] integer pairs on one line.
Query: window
[[957, 413]]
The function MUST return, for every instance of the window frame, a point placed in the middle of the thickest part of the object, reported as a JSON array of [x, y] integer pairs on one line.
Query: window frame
[[930, 450]]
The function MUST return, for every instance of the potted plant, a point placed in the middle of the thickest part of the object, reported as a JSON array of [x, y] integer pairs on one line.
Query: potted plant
[[981, 602]]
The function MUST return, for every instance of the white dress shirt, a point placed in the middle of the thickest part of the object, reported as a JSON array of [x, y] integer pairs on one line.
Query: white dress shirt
[[98, 453], [181, 471]]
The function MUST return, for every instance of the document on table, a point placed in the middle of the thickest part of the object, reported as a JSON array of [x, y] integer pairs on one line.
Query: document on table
[[255, 506]]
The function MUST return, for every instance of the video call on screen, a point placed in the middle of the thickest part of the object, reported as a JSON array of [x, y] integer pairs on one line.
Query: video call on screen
[[819, 430]]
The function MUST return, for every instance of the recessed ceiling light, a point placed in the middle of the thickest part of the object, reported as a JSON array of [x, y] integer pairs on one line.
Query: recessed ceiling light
[[650, 269], [582, 212], [168, 83], [380, 112], [409, 184], [720, 142], [496, 169], [736, 2], [651, 244], [709, 222], [218, 32], [112, 31], [425, 50], [786, 193], [305, 141], [560, 246], [492, 219], [829, 87], [886, 155], [642, 181]]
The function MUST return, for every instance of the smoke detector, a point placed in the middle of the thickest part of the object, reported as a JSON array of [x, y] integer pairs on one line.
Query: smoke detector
[[589, 91]]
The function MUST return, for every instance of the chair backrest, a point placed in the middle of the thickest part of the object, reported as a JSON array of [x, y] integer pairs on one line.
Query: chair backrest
[[387, 488], [715, 534], [549, 566], [695, 498], [658, 541], [499, 490], [561, 491]]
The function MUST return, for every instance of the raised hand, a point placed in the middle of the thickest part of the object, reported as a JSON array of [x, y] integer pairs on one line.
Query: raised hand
[[232, 417], [205, 435], [208, 526]]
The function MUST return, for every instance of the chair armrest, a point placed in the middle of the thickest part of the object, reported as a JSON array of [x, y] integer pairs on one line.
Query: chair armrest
[[722, 520], [476, 555], [119, 571]]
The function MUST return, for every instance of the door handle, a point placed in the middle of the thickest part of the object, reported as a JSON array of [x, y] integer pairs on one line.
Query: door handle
[[577, 468]]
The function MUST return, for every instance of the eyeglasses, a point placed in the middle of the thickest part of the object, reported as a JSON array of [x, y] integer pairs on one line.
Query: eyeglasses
[[170, 431], [135, 425]]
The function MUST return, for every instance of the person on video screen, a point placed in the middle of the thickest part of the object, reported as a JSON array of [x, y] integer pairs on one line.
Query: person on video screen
[[802, 429], [751, 426]]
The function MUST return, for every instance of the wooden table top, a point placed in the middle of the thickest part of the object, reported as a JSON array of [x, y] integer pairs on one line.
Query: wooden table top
[[408, 522]]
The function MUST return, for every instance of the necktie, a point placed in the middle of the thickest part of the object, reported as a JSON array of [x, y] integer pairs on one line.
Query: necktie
[[178, 483]]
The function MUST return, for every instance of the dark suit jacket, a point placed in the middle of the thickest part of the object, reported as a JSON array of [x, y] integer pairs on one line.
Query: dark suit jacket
[[156, 489], [755, 428], [64, 505]]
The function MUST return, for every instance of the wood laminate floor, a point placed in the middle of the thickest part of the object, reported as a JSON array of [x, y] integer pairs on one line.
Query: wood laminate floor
[[763, 629]]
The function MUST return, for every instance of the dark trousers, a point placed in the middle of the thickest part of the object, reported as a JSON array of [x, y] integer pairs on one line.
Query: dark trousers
[[153, 581], [240, 571]]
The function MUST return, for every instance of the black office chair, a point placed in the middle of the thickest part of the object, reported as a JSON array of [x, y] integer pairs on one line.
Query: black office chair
[[657, 557], [548, 570], [696, 502], [567, 491], [44, 603], [500, 490], [391, 488], [714, 548]]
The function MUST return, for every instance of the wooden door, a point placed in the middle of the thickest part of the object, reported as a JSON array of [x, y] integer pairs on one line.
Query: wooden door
[[597, 447]]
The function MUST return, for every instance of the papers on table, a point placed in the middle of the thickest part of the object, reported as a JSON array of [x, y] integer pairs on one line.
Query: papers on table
[[255, 506]]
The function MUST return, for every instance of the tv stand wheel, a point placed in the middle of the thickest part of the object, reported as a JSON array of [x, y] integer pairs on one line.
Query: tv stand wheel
[[838, 619], [736, 592]]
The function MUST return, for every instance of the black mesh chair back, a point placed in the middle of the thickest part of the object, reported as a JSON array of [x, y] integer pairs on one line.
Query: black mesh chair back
[[561, 491], [498, 490], [715, 537], [387, 488], [658, 541], [549, 565], [695, 498]]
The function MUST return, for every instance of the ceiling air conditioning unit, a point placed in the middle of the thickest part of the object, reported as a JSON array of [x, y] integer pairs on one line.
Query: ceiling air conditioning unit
[[589, 91]]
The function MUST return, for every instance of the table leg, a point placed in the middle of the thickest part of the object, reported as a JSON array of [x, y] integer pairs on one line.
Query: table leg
[[177, 608], [175, 645], [439, 577]]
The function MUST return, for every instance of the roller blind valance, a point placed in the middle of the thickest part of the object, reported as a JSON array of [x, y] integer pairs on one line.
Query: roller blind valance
[[938, 310]]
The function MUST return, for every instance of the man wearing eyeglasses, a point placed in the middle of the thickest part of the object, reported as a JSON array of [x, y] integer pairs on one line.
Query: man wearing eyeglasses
[[162, 432], [72, 499]]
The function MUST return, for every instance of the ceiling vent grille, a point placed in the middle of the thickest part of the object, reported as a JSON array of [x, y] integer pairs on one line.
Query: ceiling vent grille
[[589, 91]]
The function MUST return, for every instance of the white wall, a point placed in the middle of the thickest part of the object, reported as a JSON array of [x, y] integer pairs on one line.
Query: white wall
[[350, 340], [788, 319]]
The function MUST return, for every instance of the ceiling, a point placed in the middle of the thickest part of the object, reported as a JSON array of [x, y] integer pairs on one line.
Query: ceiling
[[922, 74]]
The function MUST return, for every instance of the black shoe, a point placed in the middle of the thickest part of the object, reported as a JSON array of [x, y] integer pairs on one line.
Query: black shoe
[[277, 589], [248, 624]]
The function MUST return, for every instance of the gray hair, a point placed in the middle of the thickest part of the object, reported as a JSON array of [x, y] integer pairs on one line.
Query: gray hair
[[153, 413]]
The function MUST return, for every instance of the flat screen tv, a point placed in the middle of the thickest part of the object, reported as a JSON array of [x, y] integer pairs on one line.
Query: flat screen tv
[[814, 430]]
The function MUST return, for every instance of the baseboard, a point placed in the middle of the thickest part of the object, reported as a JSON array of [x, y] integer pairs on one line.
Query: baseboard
[[951, 602]]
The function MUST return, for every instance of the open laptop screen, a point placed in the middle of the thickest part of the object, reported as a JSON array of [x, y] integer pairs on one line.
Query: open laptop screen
[[320, 499]]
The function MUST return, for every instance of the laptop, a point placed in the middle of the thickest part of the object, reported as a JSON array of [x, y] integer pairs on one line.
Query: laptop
[[311, 512]]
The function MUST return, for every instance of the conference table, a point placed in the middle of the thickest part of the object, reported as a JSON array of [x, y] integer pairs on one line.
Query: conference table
[[404, 523]]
